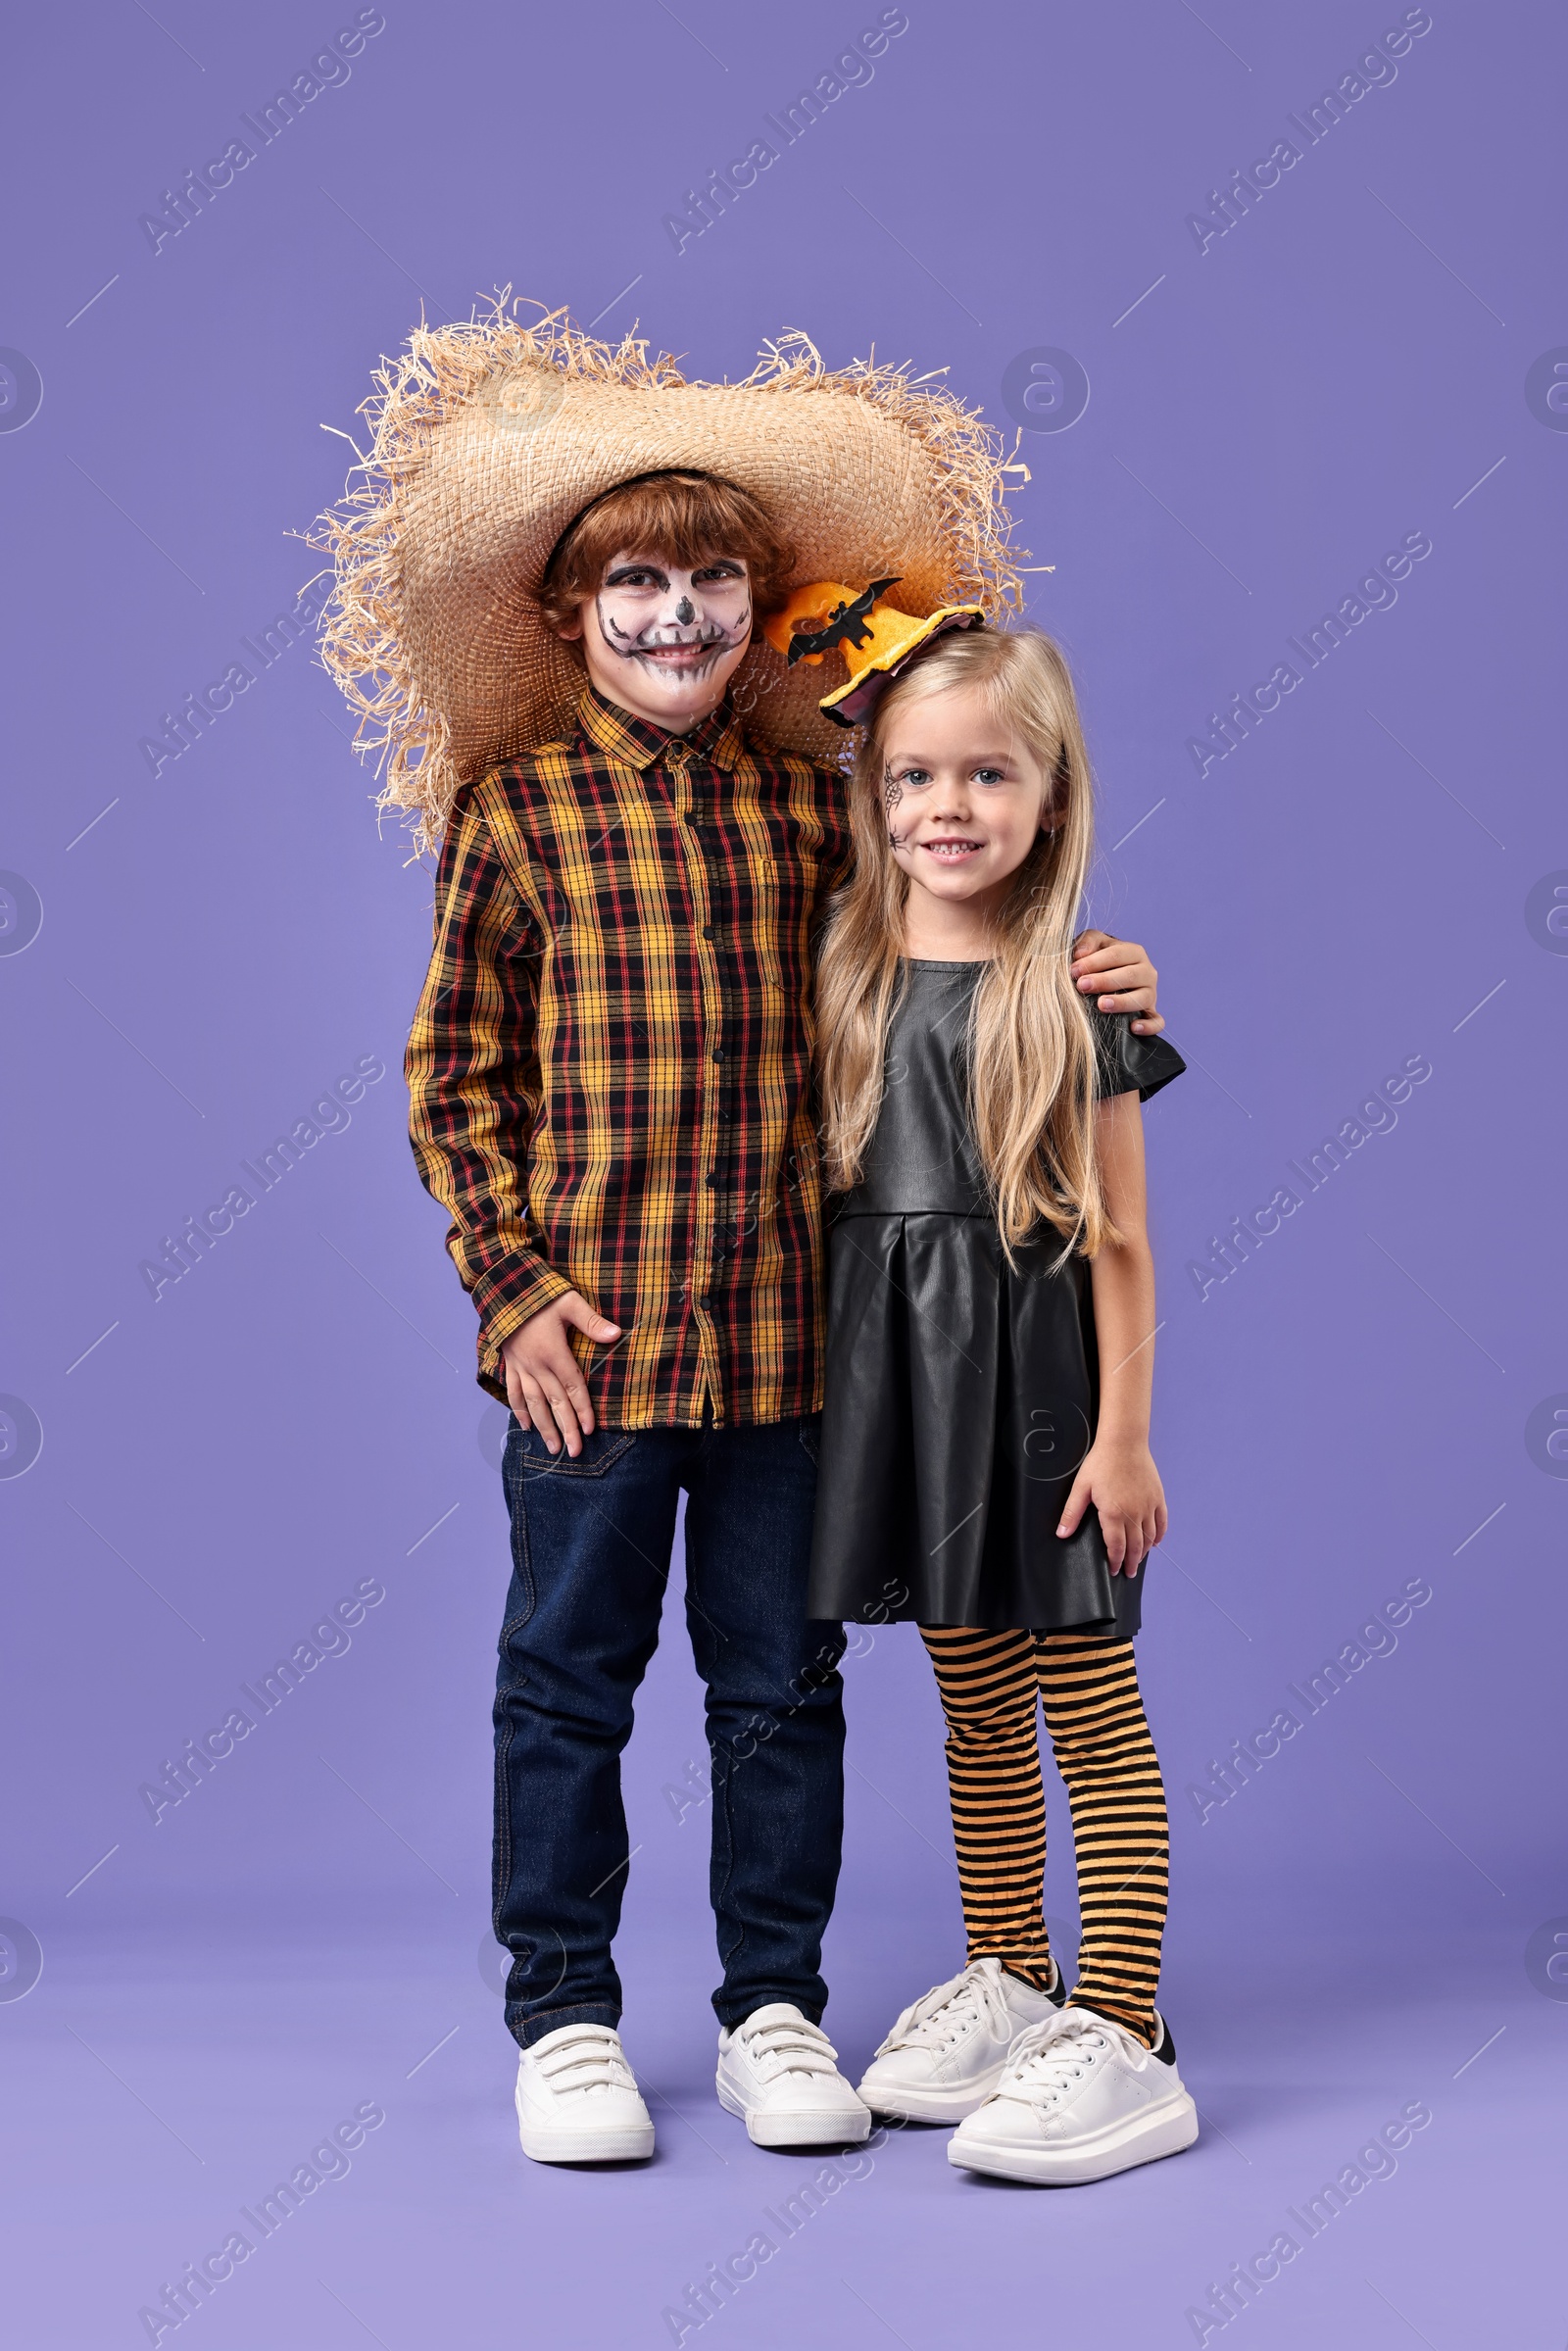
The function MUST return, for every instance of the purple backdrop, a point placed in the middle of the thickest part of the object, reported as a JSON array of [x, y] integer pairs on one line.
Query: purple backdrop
[[1346, 356]]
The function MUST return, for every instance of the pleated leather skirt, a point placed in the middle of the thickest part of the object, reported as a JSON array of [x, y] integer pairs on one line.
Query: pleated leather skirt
[[961, 1398]]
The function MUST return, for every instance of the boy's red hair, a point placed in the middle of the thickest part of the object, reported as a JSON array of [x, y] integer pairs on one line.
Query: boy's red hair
[[689, 518]]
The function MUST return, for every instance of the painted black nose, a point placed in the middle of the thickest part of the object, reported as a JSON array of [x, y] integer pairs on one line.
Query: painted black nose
[[685, 611]]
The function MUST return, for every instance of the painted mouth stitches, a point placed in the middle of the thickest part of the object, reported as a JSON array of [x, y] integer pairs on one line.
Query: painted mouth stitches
[[688, 654], [685, 651]]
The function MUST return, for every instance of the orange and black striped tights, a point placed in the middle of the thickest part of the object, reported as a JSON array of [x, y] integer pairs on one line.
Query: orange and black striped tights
[[989, 1682]]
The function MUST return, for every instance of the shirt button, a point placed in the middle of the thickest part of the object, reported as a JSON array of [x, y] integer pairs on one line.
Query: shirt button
[[710, 1181], [708, 930], [707, 1298], [719, 1052]]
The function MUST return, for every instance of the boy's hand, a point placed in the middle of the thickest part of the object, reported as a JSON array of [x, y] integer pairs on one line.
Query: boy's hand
[[1123, 1484], [1120, 978], [545, 1384]]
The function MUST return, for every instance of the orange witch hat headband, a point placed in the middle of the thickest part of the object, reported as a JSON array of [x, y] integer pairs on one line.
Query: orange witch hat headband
[[875, 638]]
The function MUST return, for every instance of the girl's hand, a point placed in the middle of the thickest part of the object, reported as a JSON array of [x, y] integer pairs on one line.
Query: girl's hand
[[1118, 976], [1122, 1481]]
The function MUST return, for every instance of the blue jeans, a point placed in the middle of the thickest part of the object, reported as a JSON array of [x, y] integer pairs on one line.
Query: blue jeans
[[591, 1545]]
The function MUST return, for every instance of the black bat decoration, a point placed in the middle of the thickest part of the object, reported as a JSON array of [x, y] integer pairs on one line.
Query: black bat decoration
[[845, 626]]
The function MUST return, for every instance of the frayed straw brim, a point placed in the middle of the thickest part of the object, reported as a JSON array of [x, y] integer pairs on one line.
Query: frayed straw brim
[[489, 436]]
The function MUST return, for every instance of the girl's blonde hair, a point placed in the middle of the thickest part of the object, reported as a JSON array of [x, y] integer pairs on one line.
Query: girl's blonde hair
[[1031, 1048]]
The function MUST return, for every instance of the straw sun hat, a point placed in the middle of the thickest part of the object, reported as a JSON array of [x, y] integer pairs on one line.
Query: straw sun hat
[[489, 437]]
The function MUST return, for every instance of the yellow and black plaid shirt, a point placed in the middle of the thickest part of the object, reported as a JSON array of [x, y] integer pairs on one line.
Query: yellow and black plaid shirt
[[610, 1068]]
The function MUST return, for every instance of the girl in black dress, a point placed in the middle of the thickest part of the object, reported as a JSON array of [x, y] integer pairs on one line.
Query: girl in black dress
[[985, 1464]]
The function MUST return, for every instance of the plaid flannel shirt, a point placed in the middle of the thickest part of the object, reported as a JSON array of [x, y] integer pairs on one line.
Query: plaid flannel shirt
[[610, 1066]]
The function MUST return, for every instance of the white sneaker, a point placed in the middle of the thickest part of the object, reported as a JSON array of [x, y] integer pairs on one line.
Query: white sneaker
[[578, 2100], [777, 2073], [945, 2053], [1079, 2098]]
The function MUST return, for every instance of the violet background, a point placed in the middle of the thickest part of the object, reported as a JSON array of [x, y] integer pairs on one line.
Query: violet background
[[1347, 1413]]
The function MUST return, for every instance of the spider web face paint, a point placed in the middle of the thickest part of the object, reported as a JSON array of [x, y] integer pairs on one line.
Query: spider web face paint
[[892, 795]]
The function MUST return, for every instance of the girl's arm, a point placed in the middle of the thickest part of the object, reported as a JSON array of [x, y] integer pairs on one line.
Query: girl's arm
[[1118, 1474]]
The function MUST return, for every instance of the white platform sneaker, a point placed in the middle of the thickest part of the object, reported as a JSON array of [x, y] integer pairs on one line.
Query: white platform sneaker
[[947, 2051], [776, 2072], [1078, 2099], [578, 2100]]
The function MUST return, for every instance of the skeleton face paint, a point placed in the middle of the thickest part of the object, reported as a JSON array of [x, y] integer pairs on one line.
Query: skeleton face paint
[[674, 623]]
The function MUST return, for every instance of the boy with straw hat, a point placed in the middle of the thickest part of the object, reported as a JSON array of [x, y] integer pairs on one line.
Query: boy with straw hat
[[550, 593]]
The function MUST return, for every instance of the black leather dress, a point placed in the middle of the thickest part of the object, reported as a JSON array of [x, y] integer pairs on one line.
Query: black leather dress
[[962, 1394]]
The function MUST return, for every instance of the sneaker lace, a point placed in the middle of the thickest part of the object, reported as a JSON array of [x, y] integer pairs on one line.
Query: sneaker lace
[[949, 2010], [1046, 2060], [788, 2046], [592, 2060]]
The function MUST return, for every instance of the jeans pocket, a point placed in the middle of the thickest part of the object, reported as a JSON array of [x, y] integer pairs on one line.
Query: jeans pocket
[[528, 1459]]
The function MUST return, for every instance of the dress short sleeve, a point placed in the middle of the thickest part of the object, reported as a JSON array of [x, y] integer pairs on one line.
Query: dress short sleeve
[[1129, 1064]]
